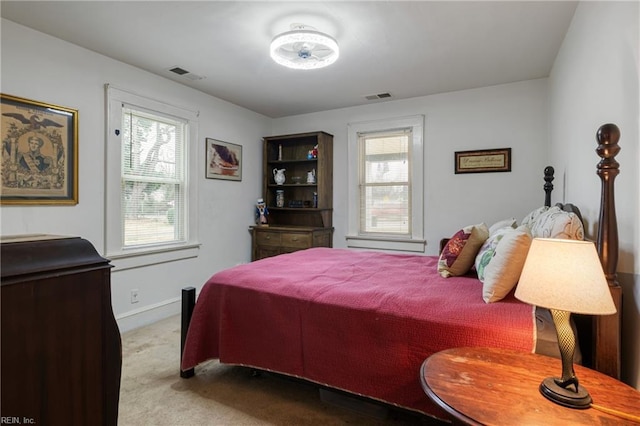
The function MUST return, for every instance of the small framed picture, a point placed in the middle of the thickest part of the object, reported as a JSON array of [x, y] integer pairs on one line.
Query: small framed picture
[[224, 160], [483, 161], [39, 152]]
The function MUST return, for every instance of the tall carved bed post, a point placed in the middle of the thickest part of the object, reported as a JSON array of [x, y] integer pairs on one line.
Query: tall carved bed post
[[607, 327]]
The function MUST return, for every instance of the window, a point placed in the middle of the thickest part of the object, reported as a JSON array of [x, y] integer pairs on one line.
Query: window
[[150, 180], [385, 184]]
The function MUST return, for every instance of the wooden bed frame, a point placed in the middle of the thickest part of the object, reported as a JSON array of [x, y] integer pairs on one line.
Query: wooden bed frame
[[606, 330], [599, 336]]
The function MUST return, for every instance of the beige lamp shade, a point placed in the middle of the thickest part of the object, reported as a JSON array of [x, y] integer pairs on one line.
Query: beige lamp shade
[[565, 275]]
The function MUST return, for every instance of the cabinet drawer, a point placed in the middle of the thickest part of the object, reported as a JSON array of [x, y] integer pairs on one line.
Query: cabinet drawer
[[294, 239], [268, 238], [322, 239], [266, 251]]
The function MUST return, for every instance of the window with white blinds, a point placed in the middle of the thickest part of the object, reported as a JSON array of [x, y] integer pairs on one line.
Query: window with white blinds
[[385, 188], [153, 178], [386, 181], [151, 185]]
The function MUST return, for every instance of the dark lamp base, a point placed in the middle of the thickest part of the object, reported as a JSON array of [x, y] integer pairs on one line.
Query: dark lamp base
[[566, 397]]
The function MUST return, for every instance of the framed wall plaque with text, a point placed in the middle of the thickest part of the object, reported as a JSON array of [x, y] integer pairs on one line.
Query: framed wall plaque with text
[[483, 161]]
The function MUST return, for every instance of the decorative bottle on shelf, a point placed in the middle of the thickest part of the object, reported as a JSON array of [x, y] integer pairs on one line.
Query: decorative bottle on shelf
[[279, 198], [280, 152], [311, 176]]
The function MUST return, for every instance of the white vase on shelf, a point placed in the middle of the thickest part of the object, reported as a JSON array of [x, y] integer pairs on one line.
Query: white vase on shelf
[[278, 176]]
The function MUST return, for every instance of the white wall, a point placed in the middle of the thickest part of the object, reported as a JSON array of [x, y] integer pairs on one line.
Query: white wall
[[595, 80], [42, 68], [510, 115]]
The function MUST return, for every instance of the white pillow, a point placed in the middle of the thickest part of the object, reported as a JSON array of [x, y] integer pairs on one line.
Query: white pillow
[[506, 223], [503, 271]]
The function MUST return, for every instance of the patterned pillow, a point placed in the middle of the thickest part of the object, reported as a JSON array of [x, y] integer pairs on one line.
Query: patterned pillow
[[458, 254], [503, 271], [531, 217], [487, 251], [556, 223]]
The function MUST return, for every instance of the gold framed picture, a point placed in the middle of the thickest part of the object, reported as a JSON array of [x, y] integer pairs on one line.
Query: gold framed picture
[[39, 152]]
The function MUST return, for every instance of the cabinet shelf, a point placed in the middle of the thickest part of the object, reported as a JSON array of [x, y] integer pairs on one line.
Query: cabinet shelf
[[292, 185], [298, 209], [305, 160]]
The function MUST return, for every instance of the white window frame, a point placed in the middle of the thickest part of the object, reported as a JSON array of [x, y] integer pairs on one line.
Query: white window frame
[[415, 242], [125, 257]]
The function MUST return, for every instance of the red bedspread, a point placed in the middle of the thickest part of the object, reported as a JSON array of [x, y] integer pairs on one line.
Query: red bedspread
[[358, 321]]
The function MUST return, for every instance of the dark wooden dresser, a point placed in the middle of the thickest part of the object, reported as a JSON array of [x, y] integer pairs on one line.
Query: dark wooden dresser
[[61, 348]]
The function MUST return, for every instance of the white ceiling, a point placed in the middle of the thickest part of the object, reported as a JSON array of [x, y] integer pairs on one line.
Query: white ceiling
[[407, 49]]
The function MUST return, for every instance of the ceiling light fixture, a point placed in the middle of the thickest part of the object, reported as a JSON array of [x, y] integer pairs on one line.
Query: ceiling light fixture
[[304, 48]]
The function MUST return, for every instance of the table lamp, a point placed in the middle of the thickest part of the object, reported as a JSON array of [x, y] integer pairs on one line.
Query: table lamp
[[565, 276]]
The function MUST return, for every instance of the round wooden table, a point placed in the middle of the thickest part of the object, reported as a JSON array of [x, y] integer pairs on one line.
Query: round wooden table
[[500, 387]]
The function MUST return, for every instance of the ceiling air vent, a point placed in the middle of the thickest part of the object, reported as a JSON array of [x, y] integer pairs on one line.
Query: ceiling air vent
[[179, 71], [184, 73], [378, 96]]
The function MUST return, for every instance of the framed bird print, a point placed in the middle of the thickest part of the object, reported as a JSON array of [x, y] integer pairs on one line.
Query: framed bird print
[[39, 152]]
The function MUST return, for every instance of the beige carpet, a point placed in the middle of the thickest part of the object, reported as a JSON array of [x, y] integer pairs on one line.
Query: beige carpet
[[152, 392]]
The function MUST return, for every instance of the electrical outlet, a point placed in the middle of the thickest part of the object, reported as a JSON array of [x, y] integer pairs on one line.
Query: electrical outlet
[[134, 296]]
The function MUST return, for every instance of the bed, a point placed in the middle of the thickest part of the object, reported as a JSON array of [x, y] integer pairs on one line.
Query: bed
[[363, 321]]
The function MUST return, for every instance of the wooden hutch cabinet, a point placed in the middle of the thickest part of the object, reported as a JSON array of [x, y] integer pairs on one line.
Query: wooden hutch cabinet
[[300, 211]]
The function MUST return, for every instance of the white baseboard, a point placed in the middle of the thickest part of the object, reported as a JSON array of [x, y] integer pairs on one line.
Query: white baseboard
[[148, 314]]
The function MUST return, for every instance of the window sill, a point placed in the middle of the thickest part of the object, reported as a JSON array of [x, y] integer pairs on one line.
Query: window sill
[[382, 243], [137, 259]]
